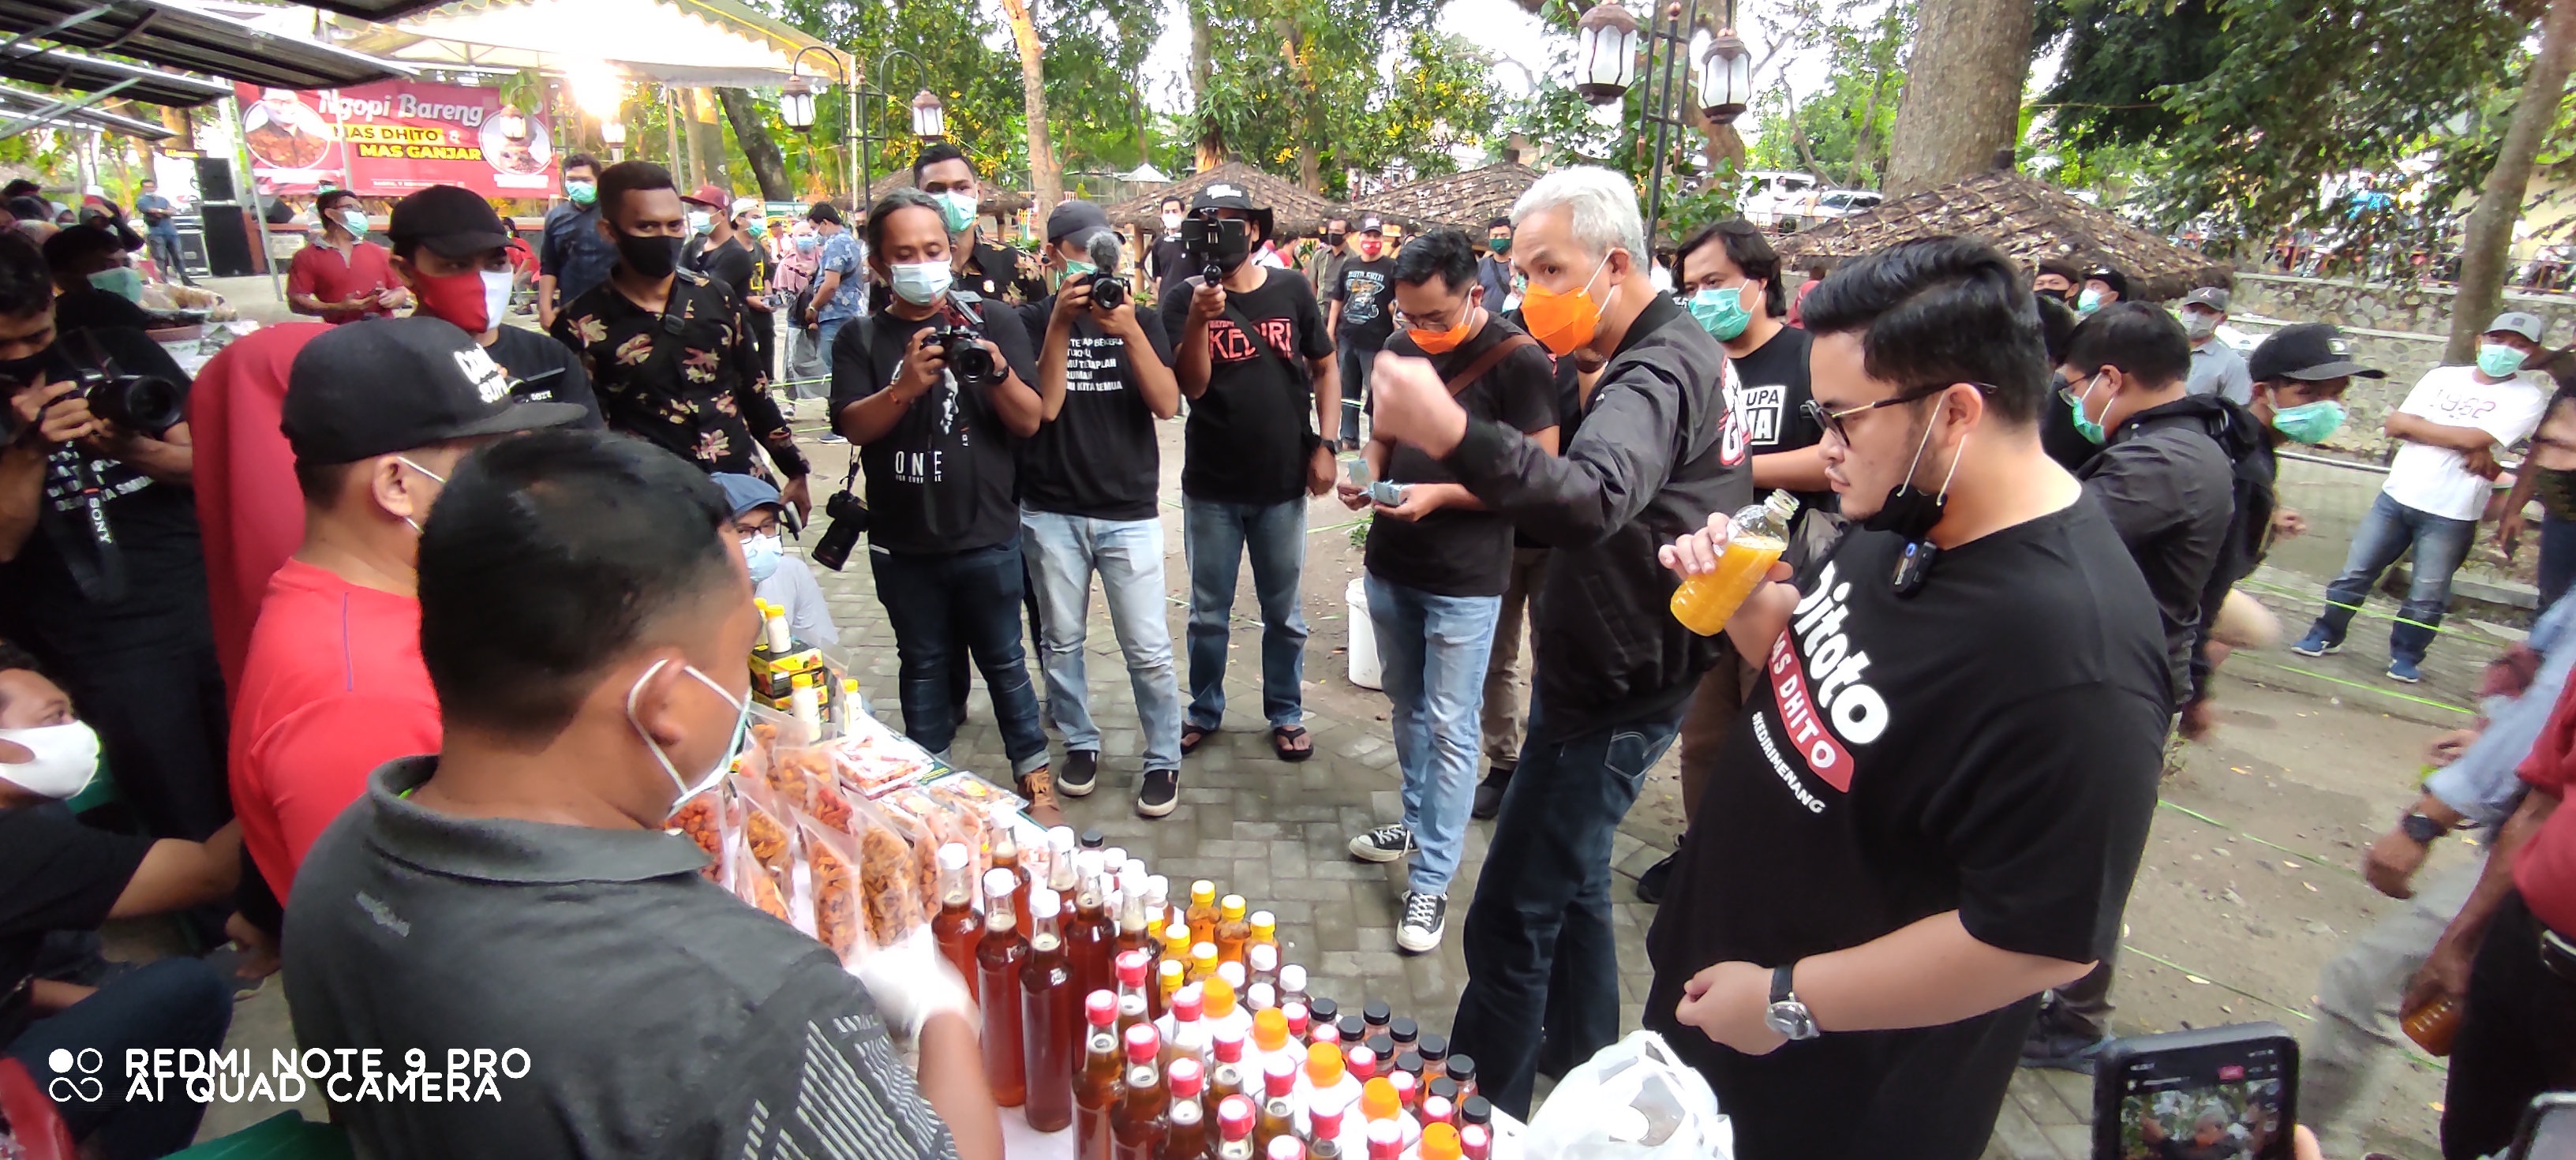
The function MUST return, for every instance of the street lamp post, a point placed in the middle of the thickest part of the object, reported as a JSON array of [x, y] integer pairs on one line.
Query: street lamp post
[[1607, 38], [929, 117]]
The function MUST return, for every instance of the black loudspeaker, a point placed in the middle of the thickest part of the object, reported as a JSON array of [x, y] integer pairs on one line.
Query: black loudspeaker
[[215, 180], [231, 239]]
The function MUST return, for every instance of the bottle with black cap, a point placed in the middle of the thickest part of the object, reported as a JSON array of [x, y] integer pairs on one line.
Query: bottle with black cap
[[1322, 1016], [1434, 1049], [1378, 1015], [1094, 840], [1352, 1028], [1462, 1069], [1405, 1030], [1384, 1045]]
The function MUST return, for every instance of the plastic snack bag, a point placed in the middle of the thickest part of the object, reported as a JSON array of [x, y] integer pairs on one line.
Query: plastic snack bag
[[1633, 1101], [703, 819], [833, 889], [763, 823], [749, 880], [891, 888]]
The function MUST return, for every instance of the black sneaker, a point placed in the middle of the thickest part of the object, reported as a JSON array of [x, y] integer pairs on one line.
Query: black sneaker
[[1080, 773], [1383, 844], [1425, 916], [1489, 793], [1159, 792], [1650, 885]]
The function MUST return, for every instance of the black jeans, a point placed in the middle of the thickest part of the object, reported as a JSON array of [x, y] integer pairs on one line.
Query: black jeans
[[2517, 1040], [172, 1003], [1542, 966], [970, 598], [160, 716]]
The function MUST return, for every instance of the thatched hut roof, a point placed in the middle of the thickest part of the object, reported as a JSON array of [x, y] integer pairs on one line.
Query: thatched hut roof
[[1297, 211], [2026, 218], [1466, 200]]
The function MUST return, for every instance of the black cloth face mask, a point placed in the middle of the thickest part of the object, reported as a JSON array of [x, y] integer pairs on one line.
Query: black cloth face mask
[[650, 257], [1909, 511]]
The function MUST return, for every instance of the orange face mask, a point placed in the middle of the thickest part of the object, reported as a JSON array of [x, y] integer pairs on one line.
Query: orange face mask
[[1442, 341], [1563, 321]]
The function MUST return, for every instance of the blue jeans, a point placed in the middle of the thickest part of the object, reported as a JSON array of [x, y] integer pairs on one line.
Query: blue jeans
[[932, 601], [1359, 366], [2557, 559], [1433, 651], [1542, 964], [175, 1003], [2385, 533], [1217, 536], [1063, 552], [823, 332]]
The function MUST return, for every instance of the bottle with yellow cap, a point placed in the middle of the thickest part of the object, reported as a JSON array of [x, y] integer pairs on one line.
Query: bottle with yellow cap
[[1440, 1142], [1233, 930], [1169, 976], [1265, 931], [1203, 962], [1380, 1101], [1324, 1083], [1175, 937], [805, 693], [1225, 1013], [773, 625], [1202, 913], [854, 706]]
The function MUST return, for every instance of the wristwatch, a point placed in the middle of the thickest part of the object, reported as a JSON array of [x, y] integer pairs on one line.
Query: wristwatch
[[2420, 829], [1786, 1014]]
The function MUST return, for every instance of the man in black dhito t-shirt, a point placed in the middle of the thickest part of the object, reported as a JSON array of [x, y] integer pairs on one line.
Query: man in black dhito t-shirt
[[1252, 458], [943, 532], [1087, 484], [1934, 805]]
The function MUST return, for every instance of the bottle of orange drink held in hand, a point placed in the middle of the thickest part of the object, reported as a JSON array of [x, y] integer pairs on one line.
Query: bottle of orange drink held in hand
[[1760, 532]]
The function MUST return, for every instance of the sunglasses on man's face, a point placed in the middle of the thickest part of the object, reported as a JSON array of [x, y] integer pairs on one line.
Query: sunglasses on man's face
[[1831, 422]]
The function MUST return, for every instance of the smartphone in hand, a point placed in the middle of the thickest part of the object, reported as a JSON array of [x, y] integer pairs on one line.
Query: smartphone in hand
[[2218, 1093]]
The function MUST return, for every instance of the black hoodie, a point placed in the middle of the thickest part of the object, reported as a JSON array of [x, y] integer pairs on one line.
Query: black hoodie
[[2168, 483]]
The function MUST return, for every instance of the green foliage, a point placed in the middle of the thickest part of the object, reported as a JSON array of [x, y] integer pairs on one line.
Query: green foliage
[[1095, 61], [954, 43], [1846, 125], [2118, 54]]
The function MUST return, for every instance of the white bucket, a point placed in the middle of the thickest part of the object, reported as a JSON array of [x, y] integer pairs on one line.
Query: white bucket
[[1363, 651]]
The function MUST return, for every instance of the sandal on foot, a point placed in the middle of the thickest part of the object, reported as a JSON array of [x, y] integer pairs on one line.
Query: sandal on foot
[[1191, 736], [1285, 734]]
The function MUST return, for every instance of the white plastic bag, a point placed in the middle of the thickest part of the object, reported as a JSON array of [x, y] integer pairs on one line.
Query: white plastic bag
[[1633, 1101]]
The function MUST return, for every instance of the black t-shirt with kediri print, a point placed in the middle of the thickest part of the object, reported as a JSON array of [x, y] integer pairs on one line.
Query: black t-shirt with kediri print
[[1097, 457], [1252, 432], [1459, 551], [1987, 745]]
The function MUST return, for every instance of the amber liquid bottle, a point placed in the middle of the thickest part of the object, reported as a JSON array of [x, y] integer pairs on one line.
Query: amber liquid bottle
[[1091, 938], [1049, 1032], [1202, 912], [1006, 856], [998, 960], [1138, 1125], [956, 929], [1135, 933], [1095, 1092], [1132, 1007], [1186, 1137], [1233, 930]]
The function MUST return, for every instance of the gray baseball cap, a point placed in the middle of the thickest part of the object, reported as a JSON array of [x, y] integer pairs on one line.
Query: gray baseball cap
[[2212, 297], [2527, 325]]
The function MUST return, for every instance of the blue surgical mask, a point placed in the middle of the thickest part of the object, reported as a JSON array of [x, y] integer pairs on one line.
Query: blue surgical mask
[[957, 210], [123, 281], [700, 221], [1720, 312], [354, 221], [2309, 423], [761, 554], [2498, 360], [807, 243], [921, 283], [2086, 426], [2088, 301], [1077, 269]]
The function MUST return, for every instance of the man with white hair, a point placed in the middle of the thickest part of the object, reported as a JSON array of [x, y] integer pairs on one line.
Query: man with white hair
[[1657, 450]]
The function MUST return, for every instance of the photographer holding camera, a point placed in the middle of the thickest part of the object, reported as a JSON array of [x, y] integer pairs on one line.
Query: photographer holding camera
[[1087, 487], [935, 392], [102, 574]]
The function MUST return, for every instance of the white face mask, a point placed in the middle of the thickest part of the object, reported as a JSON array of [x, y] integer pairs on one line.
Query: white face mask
[[496, 297], [66, 760], [724, 761], [921, 283], [405, 460], [1171, 221]]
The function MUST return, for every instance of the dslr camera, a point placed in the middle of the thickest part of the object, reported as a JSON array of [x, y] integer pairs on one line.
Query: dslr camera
[[967, 359], [146, 403], [1209, 239], [849, 515]]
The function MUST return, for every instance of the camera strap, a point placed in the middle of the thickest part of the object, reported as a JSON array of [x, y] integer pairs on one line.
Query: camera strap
[[75, 520]]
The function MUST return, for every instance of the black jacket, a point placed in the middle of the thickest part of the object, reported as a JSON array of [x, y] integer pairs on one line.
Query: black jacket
[[2168, 486], [1656, 452], [2249, 534]]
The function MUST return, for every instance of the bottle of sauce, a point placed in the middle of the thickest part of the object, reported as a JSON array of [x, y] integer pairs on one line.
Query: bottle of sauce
[[1061, 874], [1234, 1128], [1168, 972], [1384, 1141], [1233, 930], [1203, 962], [1260, 997], [1006, 856], [1184, 1037], [1360, 1062], [1276, 1119], [1378, 1017], [1462, 1071], [1324, 1113], [1292, 986], [1091, 938], [1265, 933], [1158, 898], [1202, 914], [956, 929], [1132, 1008], [1382, 1103], [1440, 1142], [1298, 1025], [1138, 1125], [1324, 1085], [1261, 963], [1405, 1032], [1095, 1094], [1186, 1138], [998, 960], [1475, 1142], [1437, 1111], [1226, 1076], [2433, 1025], [1175, 936], [1133, 934], [805, 698], [1434, 1050], [1269, 1038], [1049, 1034], [1282, 1148], [1761, 532]]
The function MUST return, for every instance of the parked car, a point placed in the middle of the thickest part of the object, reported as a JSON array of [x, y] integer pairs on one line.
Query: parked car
[[1841, 203], [1774, 199]]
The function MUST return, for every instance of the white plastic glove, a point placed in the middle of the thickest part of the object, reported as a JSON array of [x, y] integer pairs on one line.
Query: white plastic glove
[[909, 982]]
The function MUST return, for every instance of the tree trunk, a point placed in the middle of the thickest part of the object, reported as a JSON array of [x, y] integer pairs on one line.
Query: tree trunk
[[1042, 168], [2487, 238], [1310, 161], [768, 166], [1211, 152], [1860, 142], [1962, 92]]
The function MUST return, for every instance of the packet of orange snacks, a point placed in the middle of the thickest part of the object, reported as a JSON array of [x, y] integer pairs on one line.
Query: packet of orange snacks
[[705, 819], [764, 823], [940, 822], [829, 885], [749, 880]]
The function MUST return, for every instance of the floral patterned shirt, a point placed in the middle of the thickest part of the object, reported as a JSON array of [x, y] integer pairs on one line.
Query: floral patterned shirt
[[706, 401]]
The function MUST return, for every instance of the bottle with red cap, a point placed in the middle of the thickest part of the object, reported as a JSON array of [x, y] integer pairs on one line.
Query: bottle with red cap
[[1284, 1148], [1384, 1142], [1298, 1020], [1186, 1137], [1131, 991], [1138, 1125], [1361, 1063], [1322, 1119], [1476, 1142], [1277, 1116], [1234, 1128], [1184, 1033], [1226, 1063], [1049, 1032], [1408, 1095], [1096, 1092], [1438, 1110], [998, 960]]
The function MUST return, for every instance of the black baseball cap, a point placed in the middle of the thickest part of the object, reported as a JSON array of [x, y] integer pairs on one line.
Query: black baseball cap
[[374, 388], [452, 220], [1227, 195], [2309, 352], [1074, 219], [2117, 281]]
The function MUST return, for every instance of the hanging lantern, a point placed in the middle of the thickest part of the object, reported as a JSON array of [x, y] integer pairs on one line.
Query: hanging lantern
[[1725, 78], [612, 133], [796, 103], [928, 118], [1605, 53]]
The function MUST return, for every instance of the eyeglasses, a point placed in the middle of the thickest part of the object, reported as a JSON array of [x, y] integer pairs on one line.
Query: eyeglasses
[[1832, 421]]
